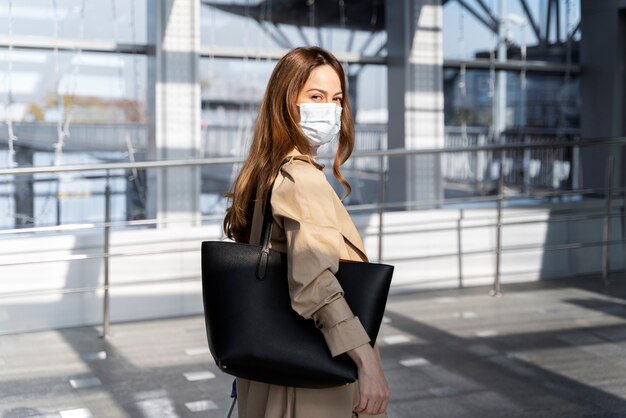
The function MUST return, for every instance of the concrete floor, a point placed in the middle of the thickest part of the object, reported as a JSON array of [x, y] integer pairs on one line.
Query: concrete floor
[[548, 349]]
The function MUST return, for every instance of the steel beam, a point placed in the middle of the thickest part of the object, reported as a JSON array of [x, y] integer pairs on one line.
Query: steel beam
[[303, 36], [367, 42], [531, 19], [546, 38], [488, 11], [557, 14], [277, 53], [512, 65], [380, 50], [48, 44], [45, 44], [570, 36], [283, 36], [492, 26], [350, 41], [281, 42]]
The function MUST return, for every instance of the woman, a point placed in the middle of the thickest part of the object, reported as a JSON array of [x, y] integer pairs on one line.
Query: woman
[[305, 106]]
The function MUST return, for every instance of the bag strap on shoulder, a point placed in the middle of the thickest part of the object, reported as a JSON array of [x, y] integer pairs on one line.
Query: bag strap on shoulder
[[266, 231], [268, 220]]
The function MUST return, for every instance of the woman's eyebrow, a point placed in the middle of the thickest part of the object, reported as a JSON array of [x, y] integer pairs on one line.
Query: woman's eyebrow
[[316, 89], [323, 91]]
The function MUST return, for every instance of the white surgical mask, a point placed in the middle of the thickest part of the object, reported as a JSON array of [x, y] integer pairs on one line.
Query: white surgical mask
[[320, 122]]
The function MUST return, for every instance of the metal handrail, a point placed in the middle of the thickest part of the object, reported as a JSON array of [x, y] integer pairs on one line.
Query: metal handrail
[[510, 248], [609, 191], [85, 256], [350, 208], [74, 257], [491, 224], [431, 203], [86, 289], [112, 224], [395, 152]]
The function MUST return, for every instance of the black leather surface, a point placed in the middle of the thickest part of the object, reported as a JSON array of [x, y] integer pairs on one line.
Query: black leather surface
[[260, 337]]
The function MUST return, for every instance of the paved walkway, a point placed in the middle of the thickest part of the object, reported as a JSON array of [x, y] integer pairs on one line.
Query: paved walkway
[[545, 349]]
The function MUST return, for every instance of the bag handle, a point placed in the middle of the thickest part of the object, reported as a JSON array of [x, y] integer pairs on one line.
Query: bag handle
[[268, 219], [266, 231]]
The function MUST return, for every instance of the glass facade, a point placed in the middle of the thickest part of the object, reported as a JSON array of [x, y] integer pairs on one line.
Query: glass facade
[[533, 100], [74, 106]]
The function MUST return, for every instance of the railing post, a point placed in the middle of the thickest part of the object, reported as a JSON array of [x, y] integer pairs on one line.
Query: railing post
[[607, 222], [495, 291], [460, 247], [480, 161], [58, 200], [575, 166], [526, 165], [623, 210], [107, 234], [381, 201]]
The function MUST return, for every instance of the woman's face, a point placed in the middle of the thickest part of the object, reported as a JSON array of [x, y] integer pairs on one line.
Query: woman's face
[[322, 86]]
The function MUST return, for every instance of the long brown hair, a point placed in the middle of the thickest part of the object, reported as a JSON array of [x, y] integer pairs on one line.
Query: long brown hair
[[277, 132]]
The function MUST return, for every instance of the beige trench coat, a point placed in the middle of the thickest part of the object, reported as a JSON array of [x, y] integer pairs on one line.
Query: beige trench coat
[[313, 227]]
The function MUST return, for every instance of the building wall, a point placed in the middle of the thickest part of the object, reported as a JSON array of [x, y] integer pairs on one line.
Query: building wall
[[603, 85]]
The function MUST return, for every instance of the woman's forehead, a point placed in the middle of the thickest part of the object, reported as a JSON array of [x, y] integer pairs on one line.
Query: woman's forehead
[[325, 78]]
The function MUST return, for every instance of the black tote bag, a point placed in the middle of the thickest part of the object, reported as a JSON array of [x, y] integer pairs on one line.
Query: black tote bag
[[252, 330]]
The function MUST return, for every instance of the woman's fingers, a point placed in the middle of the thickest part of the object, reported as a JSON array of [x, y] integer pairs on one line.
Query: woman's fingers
[[372, 408], [383, 406], [373, 403], [362, 405]]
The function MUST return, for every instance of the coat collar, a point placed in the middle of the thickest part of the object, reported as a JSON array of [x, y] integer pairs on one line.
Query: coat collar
[[305, 157]]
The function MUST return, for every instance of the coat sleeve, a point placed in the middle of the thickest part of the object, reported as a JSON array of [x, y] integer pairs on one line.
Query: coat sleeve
[[302, 205]]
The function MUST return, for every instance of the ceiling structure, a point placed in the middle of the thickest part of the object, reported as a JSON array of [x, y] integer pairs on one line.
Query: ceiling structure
[[368, 15]]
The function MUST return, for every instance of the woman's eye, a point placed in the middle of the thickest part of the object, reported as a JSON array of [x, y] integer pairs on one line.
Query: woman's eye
[[316, 97], [338, 99]]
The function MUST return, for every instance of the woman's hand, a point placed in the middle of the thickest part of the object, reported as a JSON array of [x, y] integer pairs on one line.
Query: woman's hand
[[373, 389]]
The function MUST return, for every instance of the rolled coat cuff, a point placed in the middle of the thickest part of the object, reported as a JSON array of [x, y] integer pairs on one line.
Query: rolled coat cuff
[[341, 329]]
